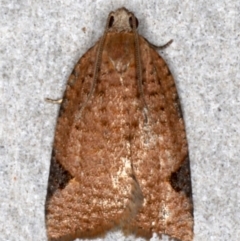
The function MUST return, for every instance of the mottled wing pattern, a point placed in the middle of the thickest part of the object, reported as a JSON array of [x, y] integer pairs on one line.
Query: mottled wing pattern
[[91, 185], [160, 155], [120, 157]]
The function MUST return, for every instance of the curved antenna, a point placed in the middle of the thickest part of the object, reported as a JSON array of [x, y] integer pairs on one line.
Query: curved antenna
[[139, 68], [96, 67]]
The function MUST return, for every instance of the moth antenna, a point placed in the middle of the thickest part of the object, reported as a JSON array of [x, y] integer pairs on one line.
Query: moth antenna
[[139, 68], [96, 67], [160, 47]]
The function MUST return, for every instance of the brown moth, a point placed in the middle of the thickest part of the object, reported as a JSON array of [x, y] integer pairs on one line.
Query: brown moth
[[120, 156]]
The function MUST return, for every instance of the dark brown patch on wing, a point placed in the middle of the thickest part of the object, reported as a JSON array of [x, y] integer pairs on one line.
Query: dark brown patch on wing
[[58, 177], [181, 179]]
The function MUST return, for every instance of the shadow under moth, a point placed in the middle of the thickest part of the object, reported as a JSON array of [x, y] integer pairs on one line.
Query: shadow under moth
[[120, 156]]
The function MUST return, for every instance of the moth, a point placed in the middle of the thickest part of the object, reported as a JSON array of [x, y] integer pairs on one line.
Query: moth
[[120, 155]]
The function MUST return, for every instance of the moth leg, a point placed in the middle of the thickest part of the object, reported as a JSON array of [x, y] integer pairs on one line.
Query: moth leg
[[56, 101]]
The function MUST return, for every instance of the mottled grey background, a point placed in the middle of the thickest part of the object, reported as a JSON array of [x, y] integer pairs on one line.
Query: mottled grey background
[[39, 44]]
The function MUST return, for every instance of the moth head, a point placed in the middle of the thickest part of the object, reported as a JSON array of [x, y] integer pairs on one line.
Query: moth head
[[122, 21]]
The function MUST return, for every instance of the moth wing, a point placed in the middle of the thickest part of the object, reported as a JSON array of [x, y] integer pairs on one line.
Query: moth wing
[[91, 184], [160, 155]]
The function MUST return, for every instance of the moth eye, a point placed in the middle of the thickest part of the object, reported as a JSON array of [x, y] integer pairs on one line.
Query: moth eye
[[111, 21], [131, 22]]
